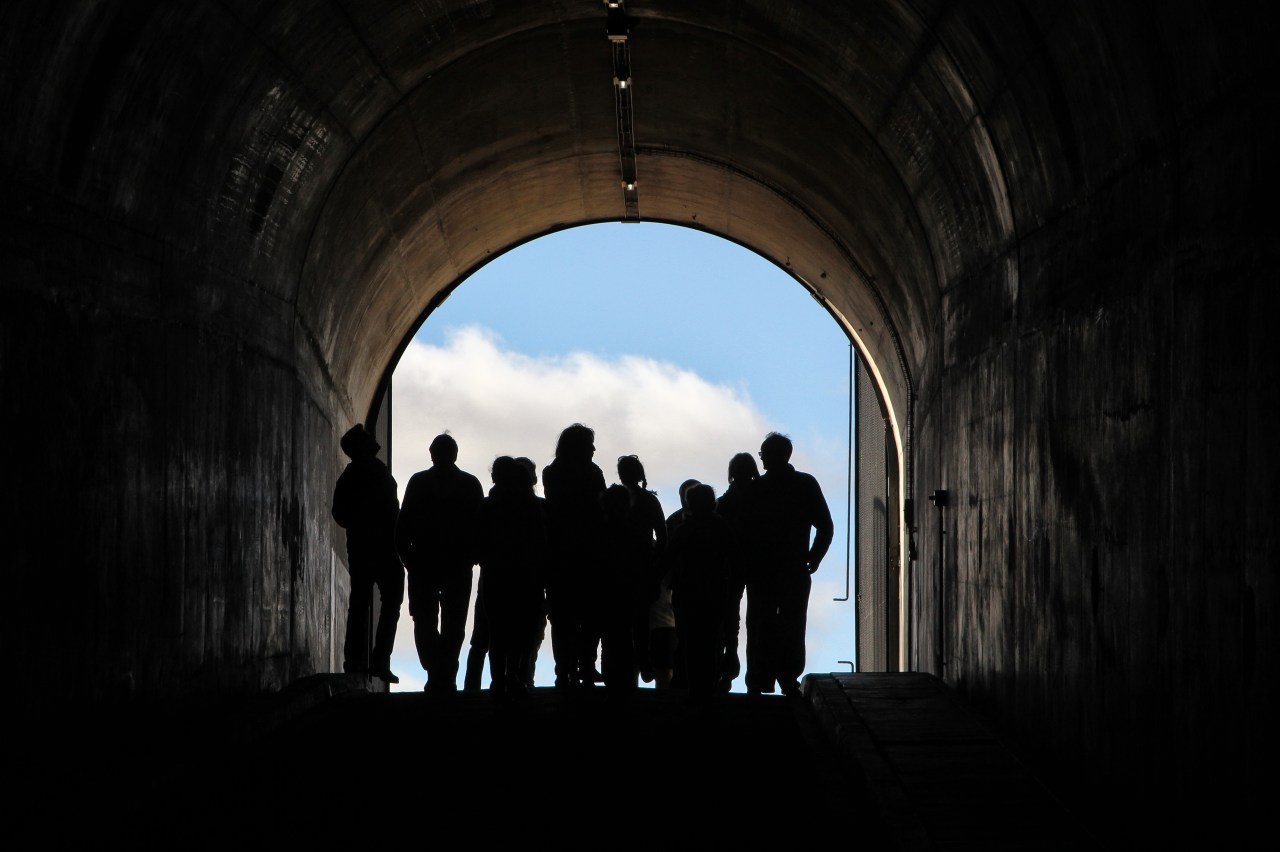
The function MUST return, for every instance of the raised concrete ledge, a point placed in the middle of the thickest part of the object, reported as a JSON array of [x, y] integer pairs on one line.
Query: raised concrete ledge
[[938, 778]]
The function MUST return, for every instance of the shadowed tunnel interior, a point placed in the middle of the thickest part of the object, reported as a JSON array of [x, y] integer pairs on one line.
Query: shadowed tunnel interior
[[1044, 224]]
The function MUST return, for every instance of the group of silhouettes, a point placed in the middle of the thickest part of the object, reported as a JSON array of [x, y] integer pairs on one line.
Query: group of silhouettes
[[651, 597]]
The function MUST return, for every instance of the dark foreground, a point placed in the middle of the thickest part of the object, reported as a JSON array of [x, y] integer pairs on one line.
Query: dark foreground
[[860, 761]]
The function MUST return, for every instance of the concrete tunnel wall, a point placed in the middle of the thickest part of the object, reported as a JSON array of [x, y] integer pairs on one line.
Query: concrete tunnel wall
[[1044, 223]]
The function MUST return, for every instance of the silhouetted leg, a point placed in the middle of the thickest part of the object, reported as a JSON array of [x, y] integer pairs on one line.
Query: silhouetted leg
[[508, 632], [564, 647], [355, 650], [518, 665], [590, 600], [455, 599], [535, 644], [639, 626], [391, 590], [769, 637], [565, 614], [480, 643], [473, 679], [590, 654], [731, 666], [593, 620], [716, 627], [426, 638], [762, 611], [499, 662], [793, 613], [617, 655], [527, 622], [662, 650], [424, 609], [561, 648], [698, 623]]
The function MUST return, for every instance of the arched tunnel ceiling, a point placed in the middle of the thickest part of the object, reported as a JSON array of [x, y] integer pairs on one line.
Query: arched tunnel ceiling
[[351, 161], [742, 129]]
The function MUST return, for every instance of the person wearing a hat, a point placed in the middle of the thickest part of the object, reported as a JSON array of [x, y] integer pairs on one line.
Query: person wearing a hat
[[366, 506]]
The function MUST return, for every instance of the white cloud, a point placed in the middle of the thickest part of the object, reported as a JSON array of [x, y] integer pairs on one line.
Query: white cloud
[[496, 401]]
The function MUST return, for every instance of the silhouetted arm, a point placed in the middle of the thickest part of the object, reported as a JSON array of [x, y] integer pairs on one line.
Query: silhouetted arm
[[820, 518], [659, 525], [474, 497], [409, 509]]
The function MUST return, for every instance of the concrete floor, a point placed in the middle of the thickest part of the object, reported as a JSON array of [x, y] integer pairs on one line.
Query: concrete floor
[[865, 761]]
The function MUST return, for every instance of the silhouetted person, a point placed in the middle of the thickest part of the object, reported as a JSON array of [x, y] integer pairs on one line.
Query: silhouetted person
[[479, 645], [663, 639], [734, 505], [677, 517], [644, 540], [513, 548], [366, 506], [436, 538], [611, 596], [699, 555], [573, 484], [532, 470], [787, 506]]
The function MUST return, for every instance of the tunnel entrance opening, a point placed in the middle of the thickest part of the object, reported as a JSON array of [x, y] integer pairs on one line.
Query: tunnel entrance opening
[[673, 344]]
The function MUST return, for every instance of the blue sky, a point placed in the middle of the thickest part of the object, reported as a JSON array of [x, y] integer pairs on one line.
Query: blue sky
[[675, 345]]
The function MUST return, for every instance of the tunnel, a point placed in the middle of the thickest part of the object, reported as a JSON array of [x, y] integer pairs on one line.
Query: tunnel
[[1046, 226]]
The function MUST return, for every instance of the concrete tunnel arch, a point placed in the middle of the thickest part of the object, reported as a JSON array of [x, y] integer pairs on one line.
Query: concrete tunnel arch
[[531, 171], [209, 207], [877, 581], [439, 231]]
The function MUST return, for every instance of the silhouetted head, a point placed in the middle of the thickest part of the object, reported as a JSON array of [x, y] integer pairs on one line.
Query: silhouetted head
[[701, 499], [615, 501], [684, 491], [775, 451], [576, 443], [742, 468], [631, 471], [528, 465], [358, 444], [444, 450], [509, 475]]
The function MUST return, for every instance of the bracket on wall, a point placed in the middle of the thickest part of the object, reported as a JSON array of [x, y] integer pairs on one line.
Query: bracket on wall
[[619, 30]]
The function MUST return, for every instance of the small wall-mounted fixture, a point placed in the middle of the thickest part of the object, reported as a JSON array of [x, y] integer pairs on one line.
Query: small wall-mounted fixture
[[939, 498]]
